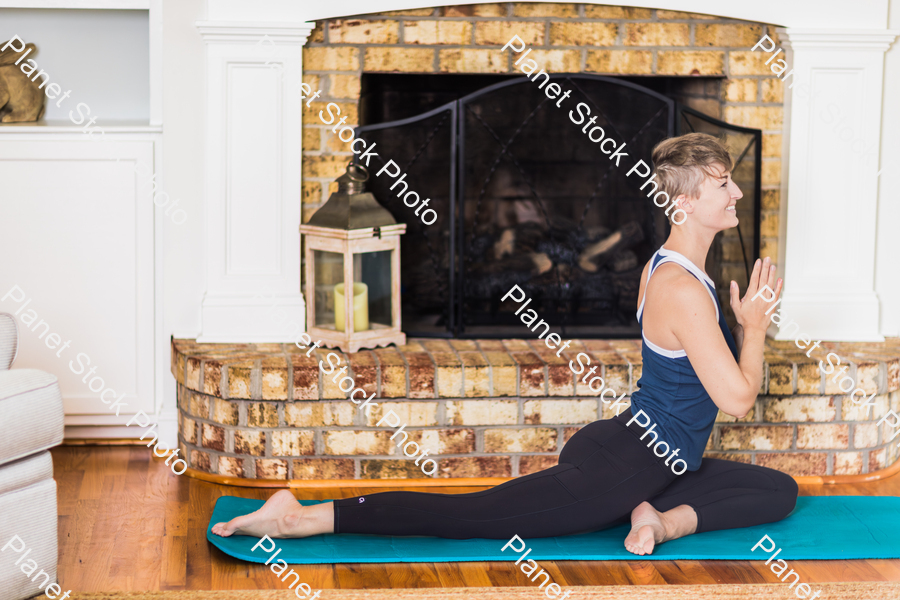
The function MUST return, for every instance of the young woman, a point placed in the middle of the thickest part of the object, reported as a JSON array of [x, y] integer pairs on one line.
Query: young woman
[[692, 367]]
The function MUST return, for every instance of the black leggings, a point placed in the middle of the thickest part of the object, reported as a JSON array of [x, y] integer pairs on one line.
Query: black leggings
[[604, 472]]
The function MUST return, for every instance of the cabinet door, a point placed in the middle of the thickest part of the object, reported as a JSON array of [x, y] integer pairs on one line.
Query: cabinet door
[[76, 249]]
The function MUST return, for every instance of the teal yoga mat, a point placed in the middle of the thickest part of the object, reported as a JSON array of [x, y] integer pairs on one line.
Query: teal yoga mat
[[821, 527]]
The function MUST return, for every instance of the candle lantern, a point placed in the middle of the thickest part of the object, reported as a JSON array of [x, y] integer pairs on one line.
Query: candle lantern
[[353, 269]]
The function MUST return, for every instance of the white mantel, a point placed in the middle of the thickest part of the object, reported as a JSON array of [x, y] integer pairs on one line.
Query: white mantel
[[861, 14]]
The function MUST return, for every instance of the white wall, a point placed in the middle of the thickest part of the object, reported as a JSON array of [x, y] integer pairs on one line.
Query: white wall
[[887, 275], [183, 159], [183, 254], [103, 56]]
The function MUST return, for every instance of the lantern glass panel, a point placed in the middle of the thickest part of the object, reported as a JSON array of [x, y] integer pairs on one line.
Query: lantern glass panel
[[374, 270], [329, 267]]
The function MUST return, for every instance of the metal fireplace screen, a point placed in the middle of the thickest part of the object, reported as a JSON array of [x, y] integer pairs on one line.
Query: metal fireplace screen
[[525, 198]]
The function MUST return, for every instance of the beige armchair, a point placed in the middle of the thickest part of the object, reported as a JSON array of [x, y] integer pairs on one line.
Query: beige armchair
[[31, 422]]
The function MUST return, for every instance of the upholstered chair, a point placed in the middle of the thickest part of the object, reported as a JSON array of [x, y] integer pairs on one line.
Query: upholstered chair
[[31, 422]]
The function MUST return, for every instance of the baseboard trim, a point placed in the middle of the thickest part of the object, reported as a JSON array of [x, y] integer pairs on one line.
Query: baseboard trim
[[475, 481], [345, 483], [103, 442], [424, 482]]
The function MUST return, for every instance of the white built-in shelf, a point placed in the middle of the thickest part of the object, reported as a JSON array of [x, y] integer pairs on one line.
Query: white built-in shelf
[[66, 126], [78, 4], [99, 59]]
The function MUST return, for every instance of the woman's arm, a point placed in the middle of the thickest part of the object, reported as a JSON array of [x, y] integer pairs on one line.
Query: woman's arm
[[691, 316], [738, 334]]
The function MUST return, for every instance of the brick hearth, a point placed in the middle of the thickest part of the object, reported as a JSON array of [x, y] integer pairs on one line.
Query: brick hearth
[[491, 408]]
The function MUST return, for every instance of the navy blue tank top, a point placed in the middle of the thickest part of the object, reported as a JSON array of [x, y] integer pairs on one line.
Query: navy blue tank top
[[670, 392]]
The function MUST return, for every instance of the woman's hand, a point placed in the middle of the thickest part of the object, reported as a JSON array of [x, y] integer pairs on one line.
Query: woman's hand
[[751, 314]]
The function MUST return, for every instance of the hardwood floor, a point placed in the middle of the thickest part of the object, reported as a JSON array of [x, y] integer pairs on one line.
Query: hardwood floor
[[126, 523]]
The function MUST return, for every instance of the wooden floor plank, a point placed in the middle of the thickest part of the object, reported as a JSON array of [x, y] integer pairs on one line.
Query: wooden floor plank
[[506, 574], [174, 563], [644, 573], [684, 572], [75, 553], [414, 575], [739, 571], [599, 572], [199, 566], [889, 569], [466, 574], [363, 576], [834, 570], [126, 522]]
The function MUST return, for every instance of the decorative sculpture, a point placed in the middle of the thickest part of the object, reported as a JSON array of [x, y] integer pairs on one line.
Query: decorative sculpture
[[21, 99]]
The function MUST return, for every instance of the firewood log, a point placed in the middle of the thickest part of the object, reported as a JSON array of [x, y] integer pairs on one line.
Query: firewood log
[[542, 262], [505, 244], [598, 253]]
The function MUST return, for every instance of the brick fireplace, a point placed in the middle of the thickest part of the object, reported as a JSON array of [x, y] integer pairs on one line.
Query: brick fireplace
[[501, 408], [497, 408], [731, 83]]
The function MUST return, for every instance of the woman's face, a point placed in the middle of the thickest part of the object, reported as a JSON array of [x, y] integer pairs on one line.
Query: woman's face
[[716, 206]]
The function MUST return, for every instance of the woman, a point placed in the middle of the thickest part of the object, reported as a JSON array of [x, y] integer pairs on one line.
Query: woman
[[692, 367]]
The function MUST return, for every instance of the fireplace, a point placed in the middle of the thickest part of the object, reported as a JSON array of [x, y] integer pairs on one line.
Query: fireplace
[[525, 197], [506, 407]]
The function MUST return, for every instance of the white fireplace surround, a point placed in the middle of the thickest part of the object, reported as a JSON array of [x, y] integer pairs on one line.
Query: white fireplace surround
[[828, 248], [253, 148]]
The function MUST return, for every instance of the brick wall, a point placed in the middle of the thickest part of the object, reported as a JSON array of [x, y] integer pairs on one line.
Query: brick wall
[[491, 408], [567, 38]]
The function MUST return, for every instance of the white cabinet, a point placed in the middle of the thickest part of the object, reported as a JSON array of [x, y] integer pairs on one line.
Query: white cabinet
[[77, 238]]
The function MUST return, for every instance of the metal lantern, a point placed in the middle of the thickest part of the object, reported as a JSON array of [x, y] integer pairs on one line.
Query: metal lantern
[[353, 269]]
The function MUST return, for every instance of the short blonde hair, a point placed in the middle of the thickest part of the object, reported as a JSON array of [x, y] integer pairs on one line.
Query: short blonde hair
[[683, 163]]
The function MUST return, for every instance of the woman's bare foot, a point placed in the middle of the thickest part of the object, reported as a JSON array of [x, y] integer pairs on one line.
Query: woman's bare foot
[[647, 529], [281, 517], [650, 527]]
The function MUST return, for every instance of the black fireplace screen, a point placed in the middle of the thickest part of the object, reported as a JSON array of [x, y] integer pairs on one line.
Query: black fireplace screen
[[524, 197]]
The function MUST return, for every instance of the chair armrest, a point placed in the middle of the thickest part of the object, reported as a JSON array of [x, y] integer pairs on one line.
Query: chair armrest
[[9, 340], [32, 418]]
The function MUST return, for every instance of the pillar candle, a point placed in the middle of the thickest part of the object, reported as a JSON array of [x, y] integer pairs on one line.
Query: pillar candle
[[360, 307]]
